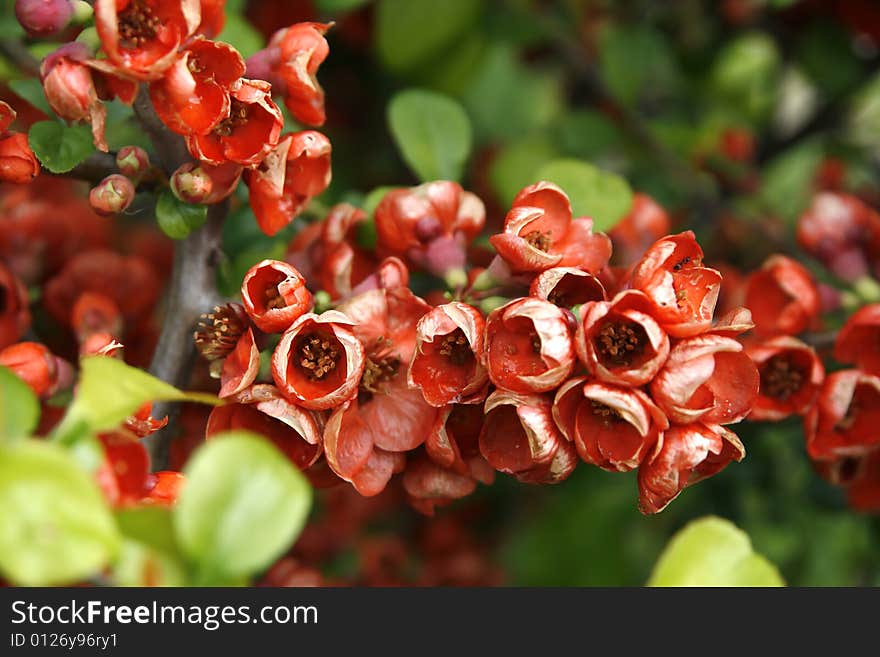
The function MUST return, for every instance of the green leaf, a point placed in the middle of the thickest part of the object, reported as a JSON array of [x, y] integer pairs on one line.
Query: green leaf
[[110, 391], [242, 507], [149, 554], [150, 525], [55, 528], [372, 199], [637, 64], [517, 165], [32, 91], [594, 193], [241, 34], [409, 33], [746, 74], [19, 408], [712, 551], [432, 133], [786, 181], [59, 147], [176, 218]]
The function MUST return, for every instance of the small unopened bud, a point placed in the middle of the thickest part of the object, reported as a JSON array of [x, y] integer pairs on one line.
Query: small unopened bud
[[133, 161], [43, 18], [82, 11], [192, 184], [112, 195]]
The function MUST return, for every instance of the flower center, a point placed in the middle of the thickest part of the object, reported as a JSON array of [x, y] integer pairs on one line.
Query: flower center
[[456, 348], [681, 264], [620, 342], [274, 299], [238, 115], [780, 378], [137, 24], [218, 332], [317, 356], [607, 415], [539, 240]]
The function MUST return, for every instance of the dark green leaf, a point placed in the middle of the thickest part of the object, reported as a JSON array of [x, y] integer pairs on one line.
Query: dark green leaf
[[59, 147], [339, 6], [19, 408]]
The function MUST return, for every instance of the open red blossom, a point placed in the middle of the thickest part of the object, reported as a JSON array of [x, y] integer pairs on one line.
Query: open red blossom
[[619, 341], [302, 48], [319, 361], [365, 437], [343, 263], [18, 164], [645, 223], [274, 295], [39, 368], [15, 314], [859, 340], [708, 378], [142, 423], [429, 485], [263, 410], [791, 375], [539, 233], [528, 346], [520, 438], [163, 488], [194, 94], [446, 361], [241, 366], [128, 281], [141, 37], [836, 229], [429, 225], [124, 472], [567, 287], [782, 296], [249, 132], [75, 83], [297, 170], [844, 420], [611, 426], [453, 441], [685, 454], [683, 291], [95, 313], [213, 16]]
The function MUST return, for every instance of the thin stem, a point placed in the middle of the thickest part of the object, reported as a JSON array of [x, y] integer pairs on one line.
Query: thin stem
[[20, 57]]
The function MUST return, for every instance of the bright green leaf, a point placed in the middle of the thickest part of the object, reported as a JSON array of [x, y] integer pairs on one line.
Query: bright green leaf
[[746, 76], [140, 565], [603, 196], [409, 33], [19, 408], [243, 505], [55, 527], [712, 551], [109, 391], [60, 147], [176, 218], [432, 132], [150, 525], [31, 89]]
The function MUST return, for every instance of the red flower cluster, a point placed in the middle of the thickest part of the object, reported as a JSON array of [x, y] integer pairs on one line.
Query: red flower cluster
[[623, 373]]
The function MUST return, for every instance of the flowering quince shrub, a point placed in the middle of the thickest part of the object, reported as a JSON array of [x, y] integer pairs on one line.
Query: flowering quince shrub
[[408, 346]]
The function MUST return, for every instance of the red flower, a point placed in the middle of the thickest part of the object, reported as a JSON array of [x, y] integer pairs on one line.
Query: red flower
[[446, 361], [836, 229], [247, 134], [364, 438], [520, 438], [429, 485], [791, 375], [619, 341], [863, 491], [200, 182], [240, 367], [645, 223], [38, 367], [859, 340], [112, 195], [683, 292], [708, 378], [319, 361], [567, 287], [274, 295], [263, 410], [18, 164], [611, 427], [301, 50], [219, 333], [124, 472], [95, 313], [782, 296], [453, 441], [141, 37], [528, 346], [75, 84], [684, 455], [297, 170], [193, 95], [213, 14], [142, 423], [844, 420], [430, 225], [15, 315], [539, 233], [163, 488], [343, 263]]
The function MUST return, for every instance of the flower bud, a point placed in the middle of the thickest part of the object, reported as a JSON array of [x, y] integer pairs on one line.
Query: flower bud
[[132, 161], [112, 195], [191, 184], [43, 18], [18, 164]]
